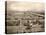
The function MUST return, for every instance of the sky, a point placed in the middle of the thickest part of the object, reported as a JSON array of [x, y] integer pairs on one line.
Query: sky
[[25, 6]]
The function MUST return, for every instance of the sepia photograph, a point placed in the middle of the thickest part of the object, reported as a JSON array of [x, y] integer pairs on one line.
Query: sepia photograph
[[24, 17]]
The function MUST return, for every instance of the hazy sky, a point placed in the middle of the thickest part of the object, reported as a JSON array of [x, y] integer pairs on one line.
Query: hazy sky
[[24, 6]]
